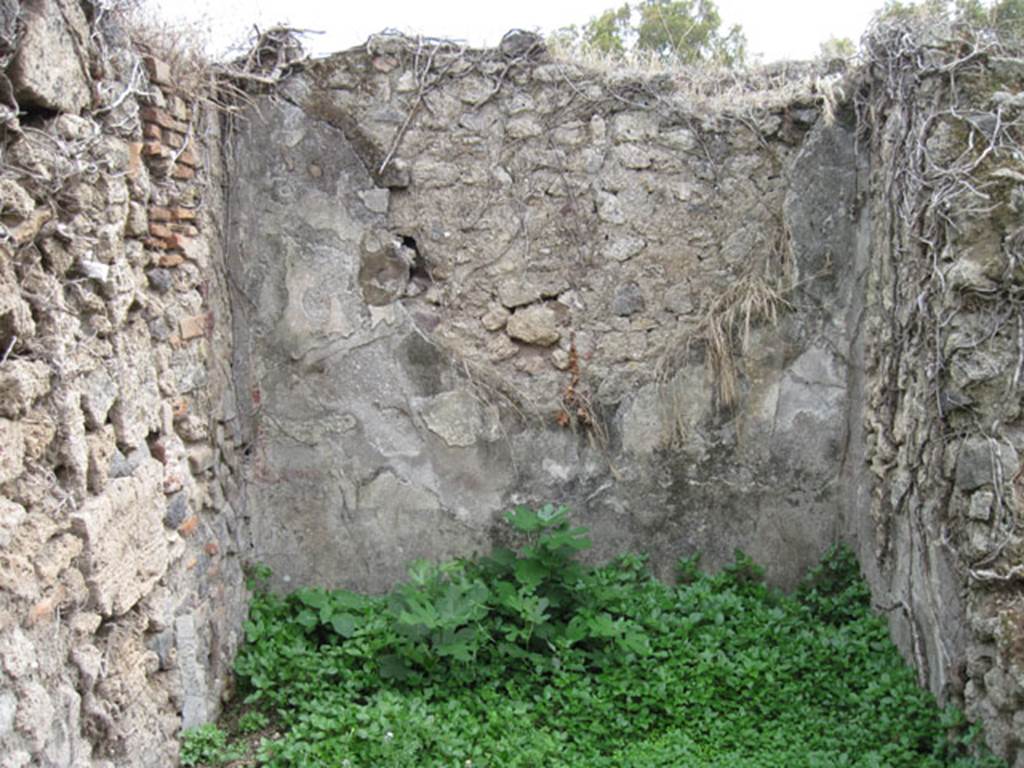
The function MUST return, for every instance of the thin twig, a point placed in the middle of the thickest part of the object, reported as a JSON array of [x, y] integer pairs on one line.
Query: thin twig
[[7, 352]]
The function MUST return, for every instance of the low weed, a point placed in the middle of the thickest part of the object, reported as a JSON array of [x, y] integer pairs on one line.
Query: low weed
[[529, 658], [207, 745]]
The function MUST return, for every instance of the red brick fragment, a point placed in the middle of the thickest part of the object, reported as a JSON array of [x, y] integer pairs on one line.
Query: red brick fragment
[[41, 610], [384, 63], [170, 260], [162, 118], [188, 527], [175, 242], [154, 149], [189, 157], [193, 327], [156, 116], [160, 231], [183, 172], [185, 229]]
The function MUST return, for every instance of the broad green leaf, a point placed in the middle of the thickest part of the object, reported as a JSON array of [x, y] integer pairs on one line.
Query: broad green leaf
[[314, 598], [524, 519], [345, 624], [530, 572], [394, 667]]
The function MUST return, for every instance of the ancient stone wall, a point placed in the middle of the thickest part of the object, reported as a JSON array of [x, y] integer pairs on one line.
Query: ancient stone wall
[[471, 279], [121, 595], [414, 285], [479, 279], [938, 520]]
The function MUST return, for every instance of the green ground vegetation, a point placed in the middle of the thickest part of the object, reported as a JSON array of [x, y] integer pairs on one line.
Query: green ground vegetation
[[528, 658]]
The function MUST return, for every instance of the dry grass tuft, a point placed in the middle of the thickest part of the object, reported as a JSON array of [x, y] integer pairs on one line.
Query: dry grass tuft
[[726, 326], [706, 86], [224, 81], [183, 45], [724, 331]]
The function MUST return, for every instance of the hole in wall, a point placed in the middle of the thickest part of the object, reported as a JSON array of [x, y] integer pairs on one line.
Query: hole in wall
[[153, 445], [34, 116], [419, 272], [65, 476], [408, 241]]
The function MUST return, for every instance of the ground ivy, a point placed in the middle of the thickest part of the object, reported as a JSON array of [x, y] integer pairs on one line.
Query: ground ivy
[[528, 658]]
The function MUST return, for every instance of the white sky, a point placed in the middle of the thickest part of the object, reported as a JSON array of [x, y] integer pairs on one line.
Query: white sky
[[776, 29]]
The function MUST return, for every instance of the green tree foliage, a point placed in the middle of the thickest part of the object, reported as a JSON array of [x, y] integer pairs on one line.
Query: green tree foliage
[[676, 31], [837, 48], [1004, 17], [609, 32]]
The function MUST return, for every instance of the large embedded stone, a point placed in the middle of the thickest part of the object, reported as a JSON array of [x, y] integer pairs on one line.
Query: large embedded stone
[[679, 300], [16, 321], [534, 325], [980, 507], [12, 450], [99, 391], [18, 656], [628, 300], [191, 672], [22, 382], [11, 515], [635, 126], [49, 69], [643, 428], [384, 268], [35, 713], [975, 466], [495, 318], [137, 410], [15, 203], [8, 708], [455, 418], [72, 444], [516, 292], [623, 248], [125, 546], [102, 447]]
